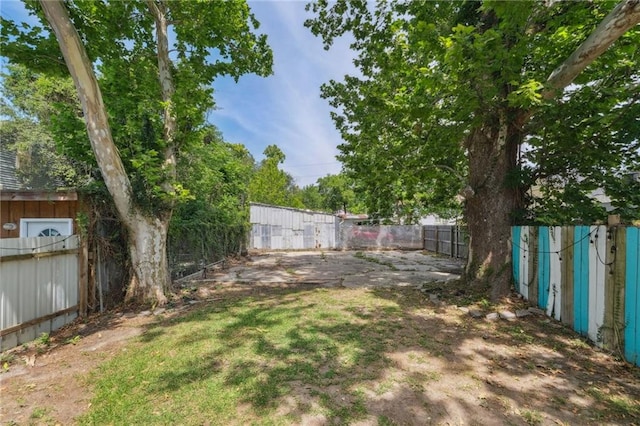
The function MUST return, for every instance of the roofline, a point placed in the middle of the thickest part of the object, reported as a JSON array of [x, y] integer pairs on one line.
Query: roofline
[[291, 208], [65, 195]]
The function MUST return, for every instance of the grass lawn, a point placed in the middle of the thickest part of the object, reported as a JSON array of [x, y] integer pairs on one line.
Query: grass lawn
[[234, 362], [340, 356]]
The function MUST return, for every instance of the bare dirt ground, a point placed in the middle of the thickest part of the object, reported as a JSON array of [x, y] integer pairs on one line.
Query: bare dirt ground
[[446, 366]]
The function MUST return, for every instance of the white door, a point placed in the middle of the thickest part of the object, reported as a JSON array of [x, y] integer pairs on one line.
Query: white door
[[45, 227]]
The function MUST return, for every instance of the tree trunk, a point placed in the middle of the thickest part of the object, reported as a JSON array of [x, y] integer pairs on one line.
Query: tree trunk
[[147, 233], [148, 249], [491, 200], [492, 151]]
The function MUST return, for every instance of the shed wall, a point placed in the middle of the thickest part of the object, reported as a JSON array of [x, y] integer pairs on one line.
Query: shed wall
[[282, 228], [19, 205]]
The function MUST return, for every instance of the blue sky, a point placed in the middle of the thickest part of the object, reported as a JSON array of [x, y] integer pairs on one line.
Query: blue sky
[[285, 108]]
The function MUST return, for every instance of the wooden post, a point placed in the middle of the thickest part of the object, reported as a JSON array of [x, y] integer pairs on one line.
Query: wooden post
[[452, 233], [83, 282], [533, 265], [619, 279]]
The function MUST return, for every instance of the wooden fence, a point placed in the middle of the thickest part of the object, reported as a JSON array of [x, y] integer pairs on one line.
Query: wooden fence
[[446, 239], [585, 276], [42, 286]]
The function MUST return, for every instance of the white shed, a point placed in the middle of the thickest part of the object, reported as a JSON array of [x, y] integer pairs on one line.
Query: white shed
[[286, 228]]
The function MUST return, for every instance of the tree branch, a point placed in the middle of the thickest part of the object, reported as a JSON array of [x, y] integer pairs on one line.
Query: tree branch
[[158, 11], [95, 115], [623, 17]]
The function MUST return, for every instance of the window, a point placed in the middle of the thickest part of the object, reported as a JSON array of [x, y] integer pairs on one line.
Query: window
[[45, 227], [49, 232]]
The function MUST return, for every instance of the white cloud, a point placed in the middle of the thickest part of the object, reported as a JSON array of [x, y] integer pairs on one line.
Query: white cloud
[[286, 109]]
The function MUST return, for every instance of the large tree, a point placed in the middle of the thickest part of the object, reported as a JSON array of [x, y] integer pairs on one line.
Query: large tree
[[453, 96], [271, 185], [337, 194], [156, 61]]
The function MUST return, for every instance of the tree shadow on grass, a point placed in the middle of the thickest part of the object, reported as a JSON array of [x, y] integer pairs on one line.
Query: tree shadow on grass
[[392, 357]]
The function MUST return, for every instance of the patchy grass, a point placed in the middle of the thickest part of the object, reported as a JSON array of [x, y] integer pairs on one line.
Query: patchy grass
[[300, 353], [531, 417], [246, 356], [388, 264], [613, 404], [342, 356]]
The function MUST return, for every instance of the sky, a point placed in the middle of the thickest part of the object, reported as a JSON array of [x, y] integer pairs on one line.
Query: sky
[[285, 108]]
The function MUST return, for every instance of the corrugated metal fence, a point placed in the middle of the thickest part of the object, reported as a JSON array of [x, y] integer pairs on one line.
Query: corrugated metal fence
[[39, 289], [283, 228], [447, 239], [588, 277]]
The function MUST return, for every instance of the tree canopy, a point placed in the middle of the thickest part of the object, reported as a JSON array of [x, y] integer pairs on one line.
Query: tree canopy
[[431, 71], [27, 107], [271, 185], [143, 72], [485, 100]]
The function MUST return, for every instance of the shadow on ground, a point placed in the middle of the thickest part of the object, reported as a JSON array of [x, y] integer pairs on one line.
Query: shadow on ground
[[312, 355]]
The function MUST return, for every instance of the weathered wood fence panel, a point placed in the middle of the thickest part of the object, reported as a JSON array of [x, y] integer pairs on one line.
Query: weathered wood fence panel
[[39, 289], [585, 276], [450, 240]]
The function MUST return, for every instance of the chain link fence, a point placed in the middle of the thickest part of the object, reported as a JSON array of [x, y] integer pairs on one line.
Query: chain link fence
[[191, 247]]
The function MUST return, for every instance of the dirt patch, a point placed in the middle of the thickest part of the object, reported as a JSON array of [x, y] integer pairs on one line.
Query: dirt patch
[[46, 383], [442, 366]]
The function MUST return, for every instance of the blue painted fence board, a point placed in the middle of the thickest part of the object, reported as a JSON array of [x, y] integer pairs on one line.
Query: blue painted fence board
[[581, 279], [587, 283], [632, 297], [543, 267]]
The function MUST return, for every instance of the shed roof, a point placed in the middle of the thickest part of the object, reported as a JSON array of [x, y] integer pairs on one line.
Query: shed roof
[[8, 176]]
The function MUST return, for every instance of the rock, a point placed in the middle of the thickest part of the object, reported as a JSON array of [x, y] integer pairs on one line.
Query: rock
[[30, 360], [493, 316], [507, 315], [463, 309], [536, 311], [145, 313], [159, 311], [476, 313], [433, 297], [522, 313], [129, 314]]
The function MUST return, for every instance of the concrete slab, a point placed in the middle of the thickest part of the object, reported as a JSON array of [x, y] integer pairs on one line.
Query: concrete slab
[[346, 268]]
